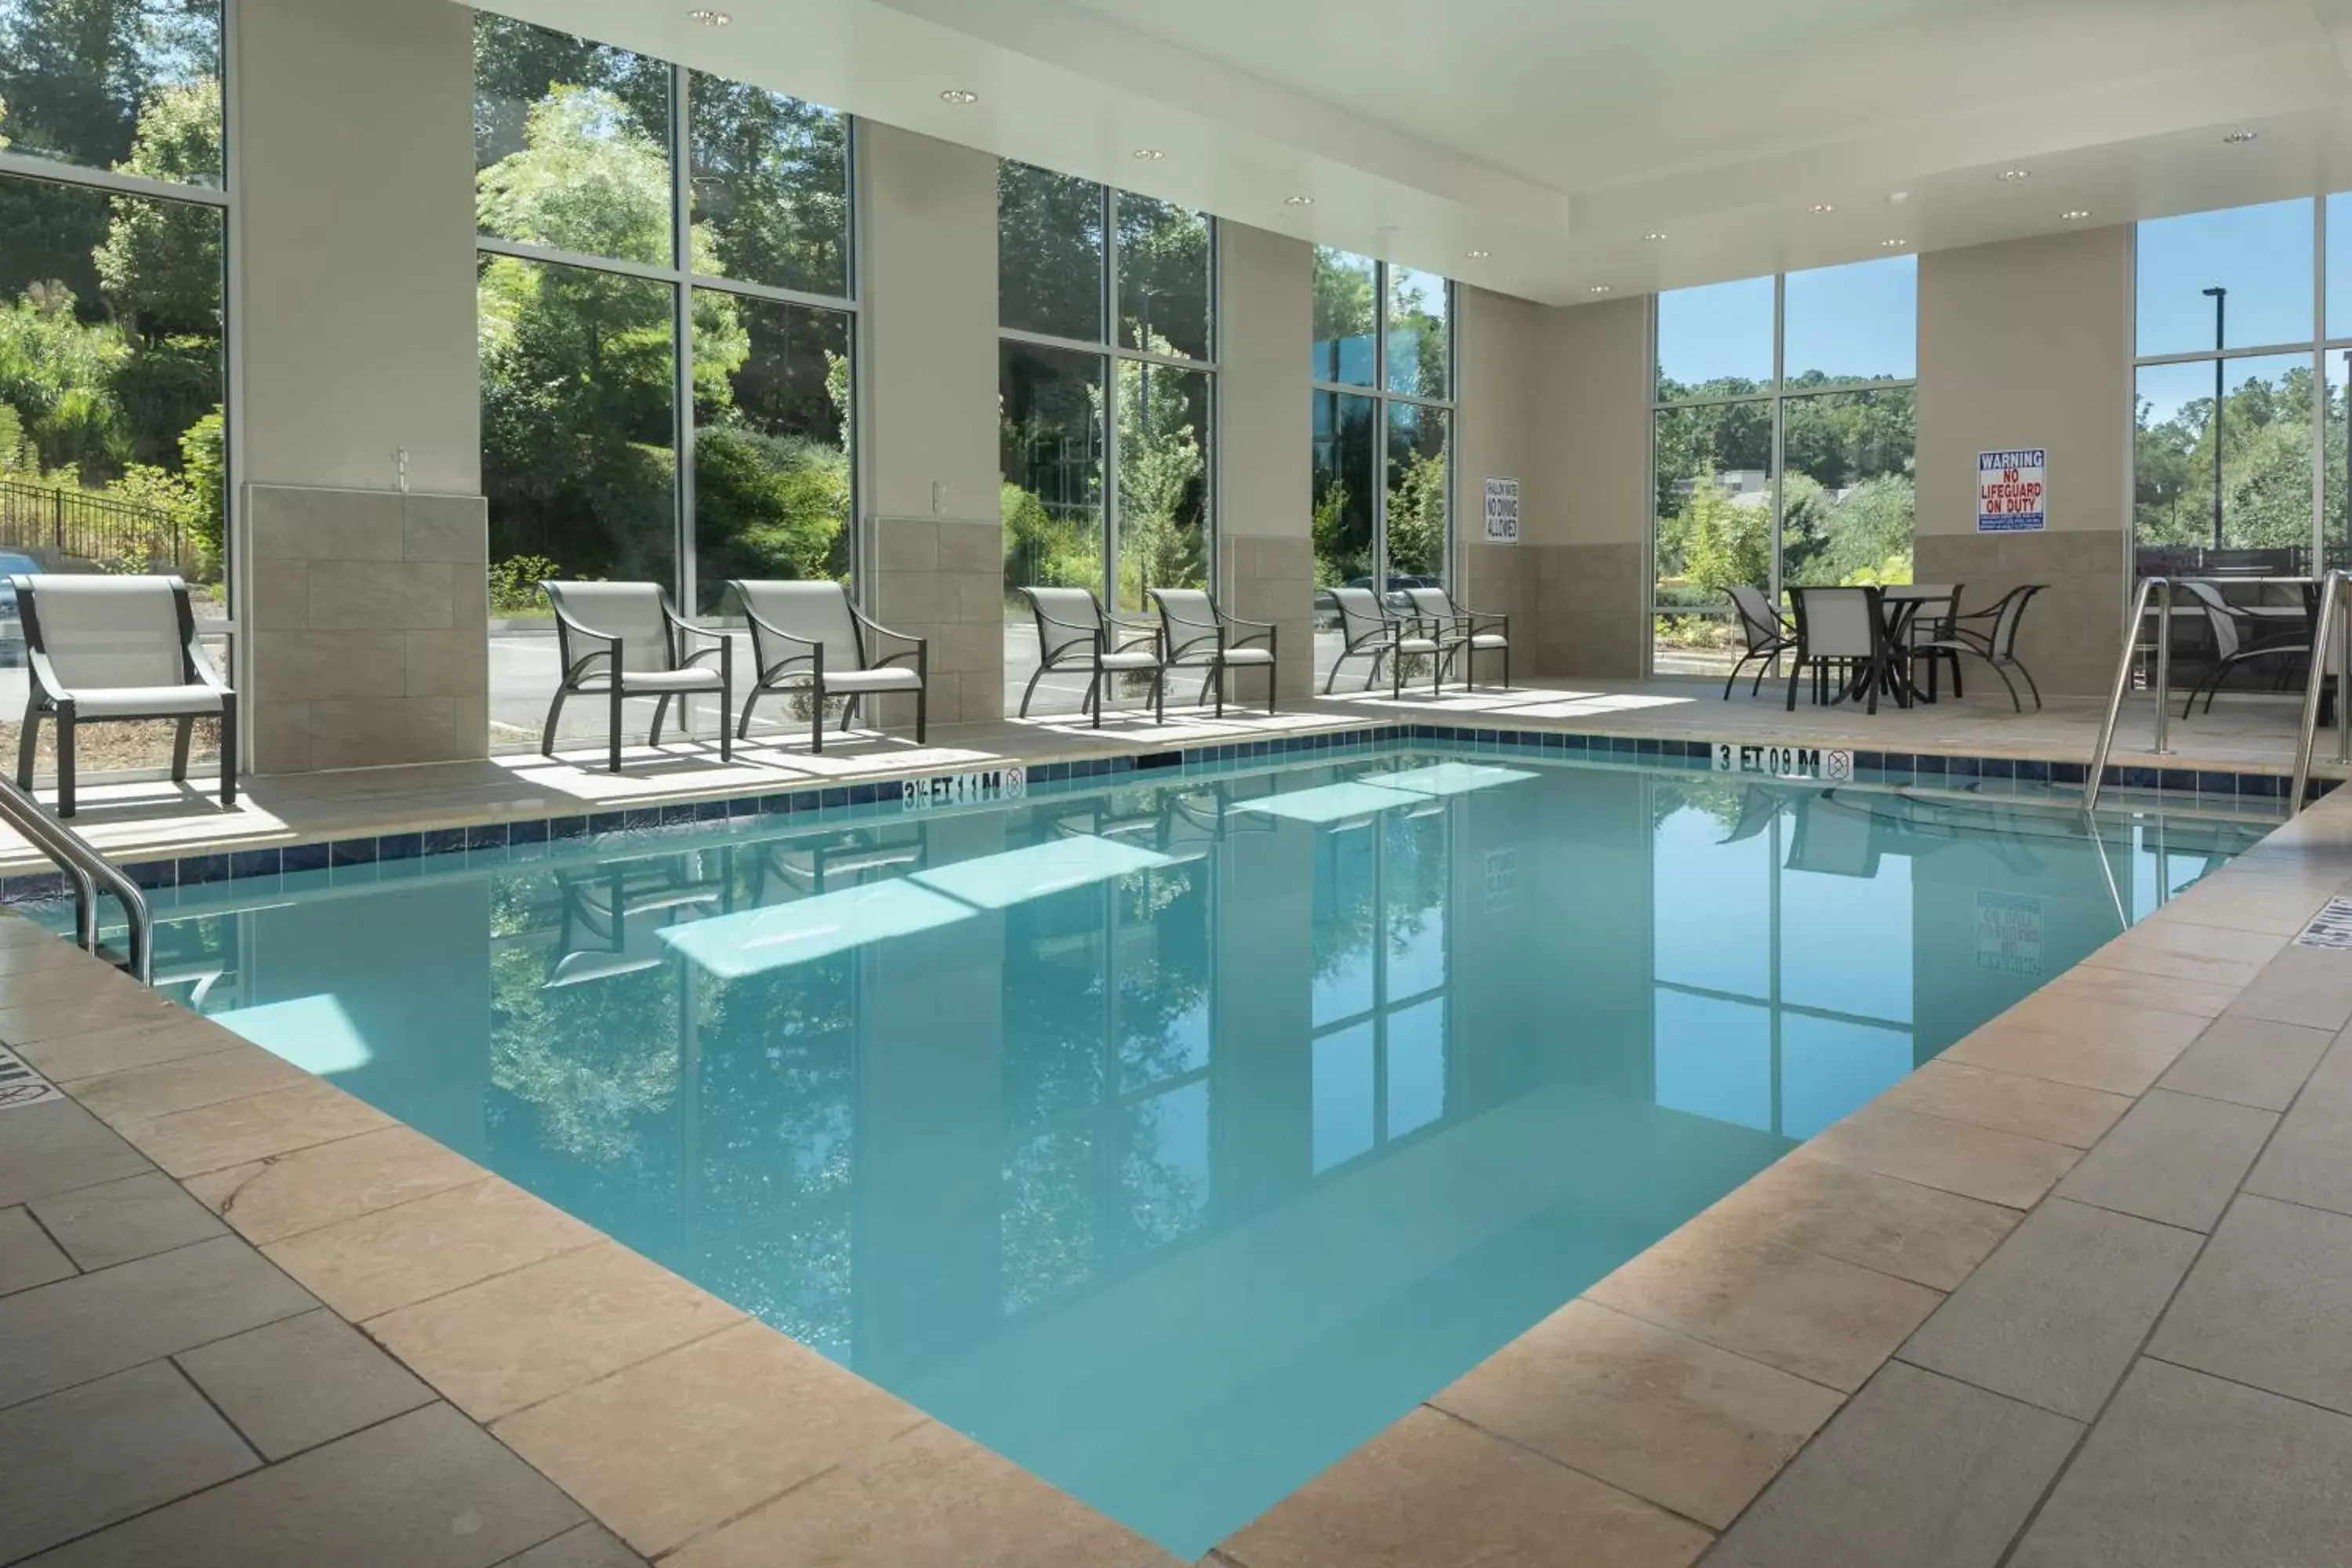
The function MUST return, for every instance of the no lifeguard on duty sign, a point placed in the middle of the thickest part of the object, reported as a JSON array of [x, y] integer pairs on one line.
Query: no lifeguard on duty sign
[[2012, 490]]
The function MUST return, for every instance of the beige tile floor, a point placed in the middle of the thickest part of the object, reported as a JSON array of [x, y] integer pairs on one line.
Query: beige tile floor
[[131, 820], [2077, 1294]]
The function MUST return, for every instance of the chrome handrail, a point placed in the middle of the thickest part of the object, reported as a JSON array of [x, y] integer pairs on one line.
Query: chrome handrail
[[88, 871], [2332, 592], [2149, 585]]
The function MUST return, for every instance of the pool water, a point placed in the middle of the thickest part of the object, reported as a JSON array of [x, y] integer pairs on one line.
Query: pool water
[[1174, 1139]]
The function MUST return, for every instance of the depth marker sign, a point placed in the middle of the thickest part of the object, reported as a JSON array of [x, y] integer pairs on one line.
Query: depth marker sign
[[2013, 490]]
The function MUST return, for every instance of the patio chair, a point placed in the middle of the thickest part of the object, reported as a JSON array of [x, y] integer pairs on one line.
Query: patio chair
[[1075, 633], [1368, 629], [1196, 635], [1841, 631], [109, 650], [1995, 642], [1767, 631], [1468, 633], [637, 636], [807, 636], [2231, 645], [1935, 608]]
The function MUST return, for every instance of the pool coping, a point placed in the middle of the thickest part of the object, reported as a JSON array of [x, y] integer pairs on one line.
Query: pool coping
[[2253, 789], [440, 1268]]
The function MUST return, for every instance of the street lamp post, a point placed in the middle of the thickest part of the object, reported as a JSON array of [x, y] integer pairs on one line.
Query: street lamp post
[[2221, 302]]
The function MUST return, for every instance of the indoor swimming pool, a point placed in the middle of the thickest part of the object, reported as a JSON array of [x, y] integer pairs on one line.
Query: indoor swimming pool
[[1173, 1138]]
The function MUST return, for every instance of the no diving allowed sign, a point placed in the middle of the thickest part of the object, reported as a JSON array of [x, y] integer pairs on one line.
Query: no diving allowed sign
[[19, 1084]]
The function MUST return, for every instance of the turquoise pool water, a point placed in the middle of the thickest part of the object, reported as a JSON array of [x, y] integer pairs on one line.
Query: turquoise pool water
[[1172, 1139]]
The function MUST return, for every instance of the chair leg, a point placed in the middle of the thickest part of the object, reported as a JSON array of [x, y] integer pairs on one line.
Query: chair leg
[[1269, 688], [2028, 681], [661, 711], [184, 732], [554, 712], [228, 750], [29, 738], [1217, 678], [1794, 666], [816, 715], [1733, 678], [612, 734], [65, 759], [743, 730], [922, 713], [1035, 676], [848, 709], [1873, 671], [1094, 699], [1506, 667], [726, 735]]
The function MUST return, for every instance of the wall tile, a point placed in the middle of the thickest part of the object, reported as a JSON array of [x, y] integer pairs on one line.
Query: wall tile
[[446, 528], [300, 666], [446, 664], [341, 525], [411, 595]]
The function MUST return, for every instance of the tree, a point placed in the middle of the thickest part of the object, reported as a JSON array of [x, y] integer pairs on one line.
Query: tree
[[161, 268], [1729, 545], [1049, 267], [1162, 480], [772, 182]]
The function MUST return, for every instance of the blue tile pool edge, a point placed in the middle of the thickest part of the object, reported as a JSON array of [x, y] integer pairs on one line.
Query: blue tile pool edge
[[876, 797]]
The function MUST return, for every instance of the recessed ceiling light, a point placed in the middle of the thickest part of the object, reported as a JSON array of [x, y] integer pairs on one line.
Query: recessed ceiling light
[[1598, 288], [2239, 138], [1893, 244], [958, 95], [709, 18], [1654, 235], [1477, 255], [1898, 196], [2012, 176], [1150, 154], [2075, 214], [1298, 201], [1824, 206]]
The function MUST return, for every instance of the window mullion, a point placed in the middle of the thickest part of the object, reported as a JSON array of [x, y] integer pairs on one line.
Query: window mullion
[[682, 356], [1110, 398]]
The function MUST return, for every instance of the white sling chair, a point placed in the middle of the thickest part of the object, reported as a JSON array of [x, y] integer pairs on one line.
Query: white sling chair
[[807, 635], [631, 649], [111, 650]]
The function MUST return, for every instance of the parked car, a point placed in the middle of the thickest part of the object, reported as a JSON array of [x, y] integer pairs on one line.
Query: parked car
[[12, 626]]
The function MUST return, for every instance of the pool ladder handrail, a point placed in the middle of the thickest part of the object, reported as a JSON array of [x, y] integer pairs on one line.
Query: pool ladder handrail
[[89, 873], [2332, 611]]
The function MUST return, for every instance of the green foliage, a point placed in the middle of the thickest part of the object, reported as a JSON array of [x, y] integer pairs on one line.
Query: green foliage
[[204, 458], [2265, 466], [770, 506], [586, 180], [1042, 551], [1729, 543], [514, 584], [1162, 475], [1417, 515]]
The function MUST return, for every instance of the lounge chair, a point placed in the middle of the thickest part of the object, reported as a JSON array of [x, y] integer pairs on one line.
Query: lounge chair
[[1197, 635], [113, 650], [1466, 633], [1768, 634], [633, 638], [1074, 632], [1996, 642], [1366, 629], [807, 636]]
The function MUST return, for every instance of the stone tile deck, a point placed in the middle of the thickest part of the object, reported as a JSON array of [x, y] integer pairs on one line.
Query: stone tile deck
[[2074, 1294]]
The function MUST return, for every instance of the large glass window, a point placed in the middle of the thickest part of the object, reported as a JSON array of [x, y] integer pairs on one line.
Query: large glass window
[[1782, 443], [113, 440], [2238, 432], [648, 415], [1104, 425], [1383, 427]]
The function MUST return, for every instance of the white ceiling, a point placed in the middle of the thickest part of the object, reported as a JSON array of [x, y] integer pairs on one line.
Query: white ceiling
[[1556, 133]]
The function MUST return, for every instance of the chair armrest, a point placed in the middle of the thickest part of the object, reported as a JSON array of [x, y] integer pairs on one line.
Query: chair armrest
[[682, 623], [875, 626]]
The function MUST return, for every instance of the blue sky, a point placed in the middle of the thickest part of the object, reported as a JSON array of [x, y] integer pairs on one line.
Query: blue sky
[[1852, 321], [2262, 256]]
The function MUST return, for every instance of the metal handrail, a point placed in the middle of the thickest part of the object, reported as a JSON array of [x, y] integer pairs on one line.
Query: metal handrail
[[2332, 611], [2161, 588], [90, 871]]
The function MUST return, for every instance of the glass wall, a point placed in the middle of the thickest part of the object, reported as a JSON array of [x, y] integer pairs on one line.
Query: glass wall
[[665, 341], [2237, 433], [113, 440], [1383, 427], [1105, 385], [1782, 441]]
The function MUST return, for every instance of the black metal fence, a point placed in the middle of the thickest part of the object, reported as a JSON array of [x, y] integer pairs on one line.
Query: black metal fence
[[87, 527]]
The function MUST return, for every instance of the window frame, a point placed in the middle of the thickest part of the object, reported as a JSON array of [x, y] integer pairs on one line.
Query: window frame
[[683, 280], [1378, 391], [222, 198], [1779, 393], [1111, 350], [2318, 346]]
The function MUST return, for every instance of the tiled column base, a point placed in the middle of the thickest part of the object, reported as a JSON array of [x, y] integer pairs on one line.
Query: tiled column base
[[2070, 631], [943, 578], [1273, 578], [1589, 616], [370, 619]]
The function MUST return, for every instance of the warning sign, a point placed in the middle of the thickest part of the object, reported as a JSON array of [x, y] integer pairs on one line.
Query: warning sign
[[2013, 491]]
